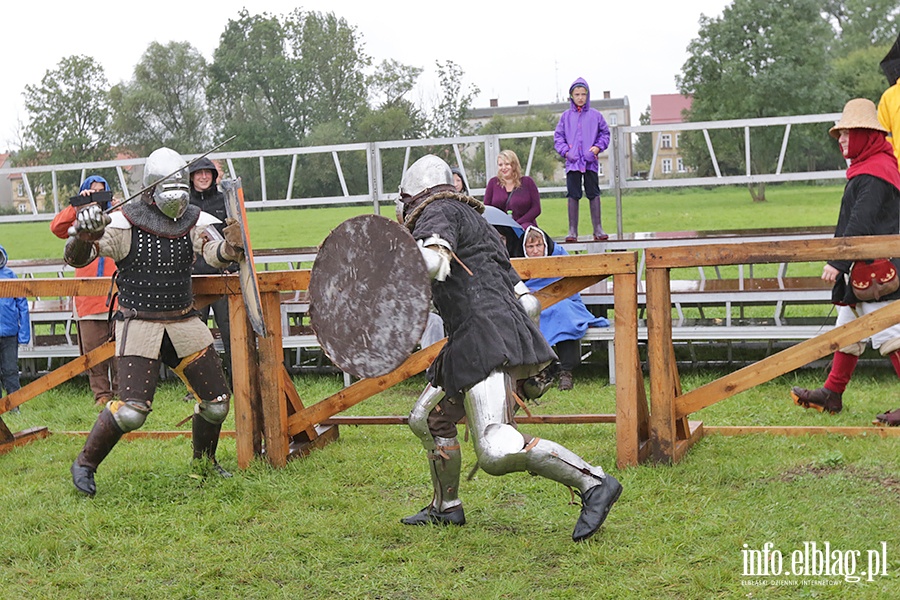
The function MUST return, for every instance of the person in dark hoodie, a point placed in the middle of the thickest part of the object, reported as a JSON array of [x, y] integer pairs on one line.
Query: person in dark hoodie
[[206, 195], [581, 135]]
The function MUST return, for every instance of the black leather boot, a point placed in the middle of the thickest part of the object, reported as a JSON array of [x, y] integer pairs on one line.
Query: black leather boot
[[595, 505], [100, 441], [205, 440], [430, 516]]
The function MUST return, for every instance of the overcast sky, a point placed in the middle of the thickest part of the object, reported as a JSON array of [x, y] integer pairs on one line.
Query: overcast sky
[[510, 51]]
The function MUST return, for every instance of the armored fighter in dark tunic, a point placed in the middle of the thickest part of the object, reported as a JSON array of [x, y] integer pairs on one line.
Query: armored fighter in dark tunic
[[153, 242], [492, 342]]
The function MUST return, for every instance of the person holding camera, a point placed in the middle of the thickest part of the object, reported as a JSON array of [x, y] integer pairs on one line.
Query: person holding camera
[[92, 312]]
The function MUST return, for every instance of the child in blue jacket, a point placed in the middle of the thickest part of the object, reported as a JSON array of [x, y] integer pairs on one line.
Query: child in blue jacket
[[15, 329]]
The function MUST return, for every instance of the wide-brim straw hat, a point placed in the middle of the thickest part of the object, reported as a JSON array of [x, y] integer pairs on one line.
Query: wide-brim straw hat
[[859, 113]]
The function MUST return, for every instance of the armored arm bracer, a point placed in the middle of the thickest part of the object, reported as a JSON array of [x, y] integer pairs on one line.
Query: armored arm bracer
[[79, 253]]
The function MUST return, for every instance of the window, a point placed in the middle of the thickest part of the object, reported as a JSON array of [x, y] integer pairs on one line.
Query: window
[[679, 165], [678, 140], [600, 169], [20, 190], [22, 208], [665, 140], [613, 119], [667, 165]]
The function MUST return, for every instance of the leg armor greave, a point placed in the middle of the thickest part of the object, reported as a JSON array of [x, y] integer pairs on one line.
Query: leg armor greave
[[498, 445], [445, 463], [202, 372], [137, 383], [418, 416], [100, 441], [549, 459]]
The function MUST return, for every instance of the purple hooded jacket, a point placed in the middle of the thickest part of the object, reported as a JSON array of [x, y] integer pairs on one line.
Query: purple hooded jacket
[[578, 130]]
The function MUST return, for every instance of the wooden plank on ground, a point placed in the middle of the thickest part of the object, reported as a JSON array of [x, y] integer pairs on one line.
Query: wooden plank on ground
[[792, 430], [23, 437]]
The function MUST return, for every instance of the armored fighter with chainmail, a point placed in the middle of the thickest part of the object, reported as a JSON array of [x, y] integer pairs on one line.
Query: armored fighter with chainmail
[[153, 241], [493, 342]]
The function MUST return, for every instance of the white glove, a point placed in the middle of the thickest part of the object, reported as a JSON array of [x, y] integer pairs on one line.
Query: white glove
[[436, 262], [91, 220], [529, 302]]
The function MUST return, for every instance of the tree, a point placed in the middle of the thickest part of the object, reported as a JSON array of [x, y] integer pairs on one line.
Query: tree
[[546, 160], [165, 102], [862, 23], [759, 59], [274, 80], [69, 113], [391, 82], [251, 89], [449, 114], [643, 147], [858, 75]]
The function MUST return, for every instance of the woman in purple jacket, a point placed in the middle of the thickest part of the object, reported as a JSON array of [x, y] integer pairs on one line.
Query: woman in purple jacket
[[581, 135], [512, 192]]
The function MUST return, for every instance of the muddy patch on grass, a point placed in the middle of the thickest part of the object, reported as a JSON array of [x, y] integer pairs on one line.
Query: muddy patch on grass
[[883, 481]]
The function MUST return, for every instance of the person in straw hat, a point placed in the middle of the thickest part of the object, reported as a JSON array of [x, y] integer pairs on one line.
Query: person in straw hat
[[870, 206]]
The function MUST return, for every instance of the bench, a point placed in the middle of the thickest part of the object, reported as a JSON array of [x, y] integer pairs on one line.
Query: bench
[[778, 292], [697, 333]]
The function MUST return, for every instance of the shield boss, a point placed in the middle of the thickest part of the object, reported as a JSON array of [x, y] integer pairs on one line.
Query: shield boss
[[369, 295]]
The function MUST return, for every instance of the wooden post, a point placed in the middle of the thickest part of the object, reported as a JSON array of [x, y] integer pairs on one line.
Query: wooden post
[[245, 381], [631, 400], [659, 352], [271, 362]]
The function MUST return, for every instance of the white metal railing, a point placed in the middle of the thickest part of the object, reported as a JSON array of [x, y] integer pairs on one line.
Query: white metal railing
[[617, 178]]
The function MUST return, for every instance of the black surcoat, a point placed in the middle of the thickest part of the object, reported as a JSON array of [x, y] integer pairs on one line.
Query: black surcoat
[[487, 327]]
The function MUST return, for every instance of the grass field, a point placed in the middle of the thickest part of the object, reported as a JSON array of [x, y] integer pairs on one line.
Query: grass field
[[327, 526]]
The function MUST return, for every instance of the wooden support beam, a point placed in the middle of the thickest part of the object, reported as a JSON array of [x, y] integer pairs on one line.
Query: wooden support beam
[[632, 417], [521, 419], [787, 360], [362, 389], [60, 375], [847, 248], [271, 362], [245, 384], [663, 434]]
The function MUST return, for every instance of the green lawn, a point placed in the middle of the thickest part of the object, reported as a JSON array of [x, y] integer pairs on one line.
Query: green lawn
[[327, 526]]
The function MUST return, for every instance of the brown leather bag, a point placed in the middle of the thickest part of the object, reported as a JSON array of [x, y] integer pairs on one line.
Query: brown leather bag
[[873, 280]]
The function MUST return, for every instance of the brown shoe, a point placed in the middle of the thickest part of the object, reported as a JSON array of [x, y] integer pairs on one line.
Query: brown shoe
[[890, 418], [822, 399], [565, 380]]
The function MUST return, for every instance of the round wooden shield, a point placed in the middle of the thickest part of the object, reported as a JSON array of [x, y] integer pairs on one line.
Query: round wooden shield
[[369, 295]]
